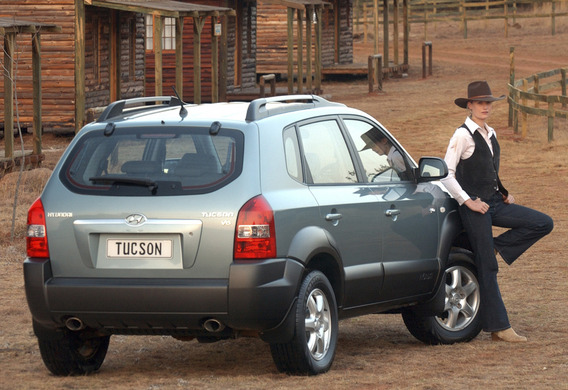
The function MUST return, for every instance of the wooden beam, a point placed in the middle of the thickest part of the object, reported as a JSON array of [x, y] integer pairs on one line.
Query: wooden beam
[[79, 65], [309, 12], [114, 57], [214, 62], [223, 64], [318, 49], [290, 50], [157, 40], [36, 80], [300, 50], [179, 56], [198, 23], [9, 42]]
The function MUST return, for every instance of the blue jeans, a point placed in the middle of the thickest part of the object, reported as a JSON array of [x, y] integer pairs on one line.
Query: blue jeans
[[526, 226]]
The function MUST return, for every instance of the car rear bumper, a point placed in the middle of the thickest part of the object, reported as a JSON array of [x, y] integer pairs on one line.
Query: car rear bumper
[[257, 296]]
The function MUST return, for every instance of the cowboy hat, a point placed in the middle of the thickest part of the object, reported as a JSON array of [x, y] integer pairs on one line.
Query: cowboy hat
[[478, 91]]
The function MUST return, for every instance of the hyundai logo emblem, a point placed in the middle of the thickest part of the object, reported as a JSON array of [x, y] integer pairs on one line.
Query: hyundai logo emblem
[[136, 219]]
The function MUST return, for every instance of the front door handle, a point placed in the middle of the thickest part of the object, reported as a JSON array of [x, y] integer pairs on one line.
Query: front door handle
[[333, 217], [393, 213]]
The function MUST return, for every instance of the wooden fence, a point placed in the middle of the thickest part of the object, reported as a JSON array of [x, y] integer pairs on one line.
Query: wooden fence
[[434, 11], [526, 96]]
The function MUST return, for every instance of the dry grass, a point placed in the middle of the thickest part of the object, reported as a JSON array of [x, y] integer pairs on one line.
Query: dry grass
[[374, 352]]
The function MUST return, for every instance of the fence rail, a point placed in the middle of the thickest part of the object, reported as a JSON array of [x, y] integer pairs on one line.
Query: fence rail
[[526, 95], [463, 11]]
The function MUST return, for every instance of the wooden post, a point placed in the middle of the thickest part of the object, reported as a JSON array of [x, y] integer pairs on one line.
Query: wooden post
[[79, 65], [386, 33], [524, 114], [464, 18], [406, 28], [376, 24], [563, 84], [536, 89], [214, 61], [300, 50], [179, 56], [223, 54], [309, 12], [36, 79], [395, 31], [158, 27], [9, 42], [511, 82], [290, 50], [318, 32], [553, 17], [550, 121], [198, 23], [506, 17]]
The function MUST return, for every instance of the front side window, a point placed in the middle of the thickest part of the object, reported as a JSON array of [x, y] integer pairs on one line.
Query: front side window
[[382, 160], [326, 155], [137, 162]]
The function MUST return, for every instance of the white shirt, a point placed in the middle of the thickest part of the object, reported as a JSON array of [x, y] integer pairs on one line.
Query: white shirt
[[395, 160], [461, 147]]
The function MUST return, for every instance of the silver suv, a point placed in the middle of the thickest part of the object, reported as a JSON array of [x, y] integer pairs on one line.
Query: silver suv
[[274, 218]]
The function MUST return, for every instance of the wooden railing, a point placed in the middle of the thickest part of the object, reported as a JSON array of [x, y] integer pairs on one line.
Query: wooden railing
[[526, 96]]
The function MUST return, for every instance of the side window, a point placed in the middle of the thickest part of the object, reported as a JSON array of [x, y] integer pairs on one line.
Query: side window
[[325, 152], [382, 161], [292, 154]]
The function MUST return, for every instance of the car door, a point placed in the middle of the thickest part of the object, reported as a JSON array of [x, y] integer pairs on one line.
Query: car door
[[407, 212], [348, 210]]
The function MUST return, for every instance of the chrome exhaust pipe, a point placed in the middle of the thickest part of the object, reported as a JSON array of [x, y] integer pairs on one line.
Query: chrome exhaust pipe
[[212, 325], [74, 324]]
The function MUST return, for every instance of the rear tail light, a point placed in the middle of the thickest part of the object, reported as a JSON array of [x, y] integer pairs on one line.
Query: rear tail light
[[36, 237], [255, 236]]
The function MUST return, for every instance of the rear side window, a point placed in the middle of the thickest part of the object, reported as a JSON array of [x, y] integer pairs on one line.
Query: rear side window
[[143, 162]]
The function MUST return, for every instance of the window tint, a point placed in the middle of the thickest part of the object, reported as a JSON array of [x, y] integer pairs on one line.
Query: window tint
[[381, 159], [142, 162], [325, 152]]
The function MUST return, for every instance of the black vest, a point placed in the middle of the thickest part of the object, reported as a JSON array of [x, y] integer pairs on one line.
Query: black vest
[[478, 175]]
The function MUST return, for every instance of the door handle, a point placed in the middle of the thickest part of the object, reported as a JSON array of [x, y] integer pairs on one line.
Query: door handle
[[393, 213], [333, 217]]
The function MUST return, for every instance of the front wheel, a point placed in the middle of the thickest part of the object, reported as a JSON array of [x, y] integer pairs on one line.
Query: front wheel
[[312, 349], [460, 321], [73, 353]]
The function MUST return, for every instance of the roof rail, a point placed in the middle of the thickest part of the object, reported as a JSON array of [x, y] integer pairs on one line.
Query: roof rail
[[257, 108], [117, 108]]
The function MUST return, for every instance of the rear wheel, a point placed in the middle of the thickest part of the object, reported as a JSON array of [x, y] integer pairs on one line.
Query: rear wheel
[[460, 321], [73, 353], [312, 349]]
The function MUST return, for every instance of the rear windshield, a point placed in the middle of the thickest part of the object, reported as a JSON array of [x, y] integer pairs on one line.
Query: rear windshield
[[144, 162]]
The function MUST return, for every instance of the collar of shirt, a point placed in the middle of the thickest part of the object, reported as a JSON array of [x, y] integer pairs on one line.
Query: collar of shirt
[[472, 127]]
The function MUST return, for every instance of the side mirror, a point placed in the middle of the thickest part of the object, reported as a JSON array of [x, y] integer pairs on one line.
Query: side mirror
[[431, 168]]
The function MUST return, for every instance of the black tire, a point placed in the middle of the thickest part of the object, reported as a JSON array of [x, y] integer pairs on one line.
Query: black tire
[[460, 321], [312, 349], [73, 354]]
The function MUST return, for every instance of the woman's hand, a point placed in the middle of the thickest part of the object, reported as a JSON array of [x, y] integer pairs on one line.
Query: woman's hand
[[477, 205], [509, 199]]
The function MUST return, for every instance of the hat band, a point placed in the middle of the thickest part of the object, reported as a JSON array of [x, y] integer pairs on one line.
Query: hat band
[[479, 97]]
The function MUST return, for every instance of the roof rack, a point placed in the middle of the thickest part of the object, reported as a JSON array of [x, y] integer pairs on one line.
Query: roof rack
[[121, 107], [257, 108]]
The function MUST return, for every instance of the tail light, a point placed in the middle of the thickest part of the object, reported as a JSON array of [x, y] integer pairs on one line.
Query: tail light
[[36, 237], [255, 236]]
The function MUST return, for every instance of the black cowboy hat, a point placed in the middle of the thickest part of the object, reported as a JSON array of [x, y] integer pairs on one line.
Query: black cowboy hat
[[478, 91]]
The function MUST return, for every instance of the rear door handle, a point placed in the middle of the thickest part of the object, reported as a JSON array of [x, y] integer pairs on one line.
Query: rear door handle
[[333, 217]]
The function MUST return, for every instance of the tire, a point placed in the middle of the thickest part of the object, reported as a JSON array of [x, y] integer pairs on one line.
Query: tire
[[460, 321], [73, 354], [312, 348]]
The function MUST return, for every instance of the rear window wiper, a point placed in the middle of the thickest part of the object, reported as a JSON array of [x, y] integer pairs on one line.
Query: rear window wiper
[[135, 181]]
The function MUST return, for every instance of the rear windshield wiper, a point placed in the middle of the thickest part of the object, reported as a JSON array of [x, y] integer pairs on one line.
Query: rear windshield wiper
[[135, 181]]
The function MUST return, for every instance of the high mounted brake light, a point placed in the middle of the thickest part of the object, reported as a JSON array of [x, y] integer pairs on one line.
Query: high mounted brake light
[[36, 237], [255, 235]]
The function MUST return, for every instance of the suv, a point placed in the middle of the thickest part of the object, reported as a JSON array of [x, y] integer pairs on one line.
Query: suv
[[273, 218]]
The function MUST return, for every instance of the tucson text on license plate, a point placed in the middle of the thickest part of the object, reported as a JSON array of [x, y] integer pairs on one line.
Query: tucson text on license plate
[[132, 249]]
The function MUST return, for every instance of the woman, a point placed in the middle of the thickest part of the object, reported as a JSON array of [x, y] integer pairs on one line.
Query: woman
[[473, 164]]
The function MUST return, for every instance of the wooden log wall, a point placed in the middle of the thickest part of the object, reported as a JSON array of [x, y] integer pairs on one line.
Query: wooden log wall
[[272, 37], [57, 60]]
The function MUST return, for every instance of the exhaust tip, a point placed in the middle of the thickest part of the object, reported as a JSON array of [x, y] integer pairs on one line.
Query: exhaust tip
[[214, 326], [74, 324]]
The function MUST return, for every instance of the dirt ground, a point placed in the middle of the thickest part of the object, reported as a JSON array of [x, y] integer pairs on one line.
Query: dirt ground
[[376, 351]]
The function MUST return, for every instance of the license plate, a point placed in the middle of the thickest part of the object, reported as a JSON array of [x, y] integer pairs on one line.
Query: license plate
[[137, 249]]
